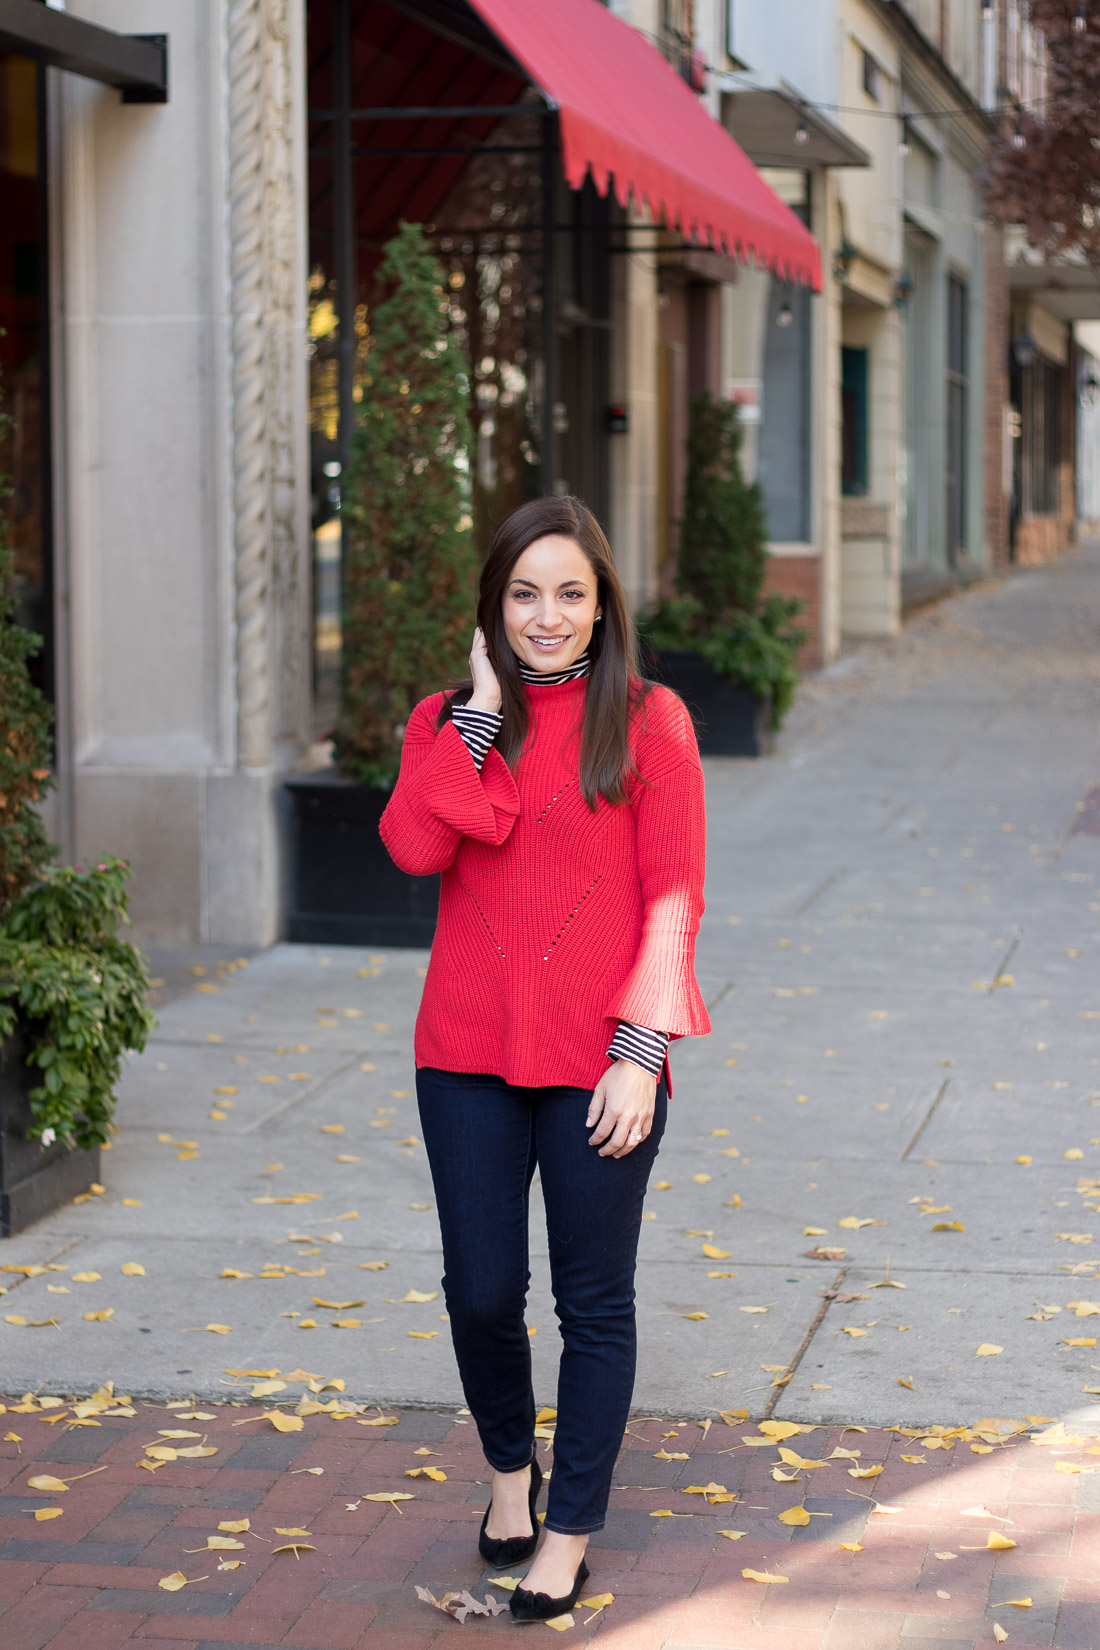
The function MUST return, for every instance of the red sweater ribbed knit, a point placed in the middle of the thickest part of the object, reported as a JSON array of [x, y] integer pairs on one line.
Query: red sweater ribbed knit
[[554, 922]]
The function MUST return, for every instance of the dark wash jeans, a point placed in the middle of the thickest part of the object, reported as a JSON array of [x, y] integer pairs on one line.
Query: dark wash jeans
[[484, 1140]]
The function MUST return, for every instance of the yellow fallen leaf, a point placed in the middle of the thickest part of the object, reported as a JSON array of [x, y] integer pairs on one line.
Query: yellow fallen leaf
[[763, 1575], [949, 1226], [44, 1481], [420, 1296], [101, 1316], [337, 1306], [695, 1317], [295, 1547], [797, 1517], [1074, 1152], [87, 1277], [753, 1309], [1023, 1159], [220, 1543], [294, 1531], [999, 1633], [306, 1323], [850, 1547], [234, 1526], [560, 1624], [41, 1514], [906, 1380], [173, 1583], [392, 1496], [989, 1350], [714, 1253], [332, 1128], [814, 1231], [713, 1493], [849, 1330], [995, 1542], [230, 1563], [508, 1584], [133, 1269], [666, 1512], [679, 1455], [854, 1223], [598, 1602], [434, 1473], [700, 1179], [916, 1460], [285, 1423], [733, 1535], [864, 1472], [792, 1459], [426, 1334], [378, 1420]]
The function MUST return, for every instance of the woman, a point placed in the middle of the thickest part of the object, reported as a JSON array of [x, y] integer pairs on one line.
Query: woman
[[562, 799]]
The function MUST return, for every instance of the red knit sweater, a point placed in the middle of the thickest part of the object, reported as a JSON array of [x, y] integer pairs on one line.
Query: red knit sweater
[[555, 923]]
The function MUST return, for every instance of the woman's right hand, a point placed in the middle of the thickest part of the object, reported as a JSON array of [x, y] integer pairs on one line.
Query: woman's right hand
[[486, 694]]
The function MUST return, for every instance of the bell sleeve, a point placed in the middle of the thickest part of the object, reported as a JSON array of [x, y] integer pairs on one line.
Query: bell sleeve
[[661, 989], [441, 796]]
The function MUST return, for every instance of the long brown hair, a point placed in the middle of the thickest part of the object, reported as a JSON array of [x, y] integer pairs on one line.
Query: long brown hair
[[615, 687]]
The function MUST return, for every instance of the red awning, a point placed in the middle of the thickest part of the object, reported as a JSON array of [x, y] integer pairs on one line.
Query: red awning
[[628, 118]]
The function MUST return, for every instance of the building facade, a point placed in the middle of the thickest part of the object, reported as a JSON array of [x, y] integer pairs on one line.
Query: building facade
[[192, 203]]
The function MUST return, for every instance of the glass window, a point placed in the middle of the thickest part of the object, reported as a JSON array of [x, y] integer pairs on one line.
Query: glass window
[[958, 334], [853, 404], [24, 451]]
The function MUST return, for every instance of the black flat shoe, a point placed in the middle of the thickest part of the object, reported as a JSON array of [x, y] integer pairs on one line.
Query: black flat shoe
[[539, 1607], [512, 1549]]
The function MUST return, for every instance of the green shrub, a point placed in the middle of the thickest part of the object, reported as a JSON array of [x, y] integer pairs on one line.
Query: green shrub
[[410, 566], [81, 989], [25, 734], [720, 571], [64, 972]]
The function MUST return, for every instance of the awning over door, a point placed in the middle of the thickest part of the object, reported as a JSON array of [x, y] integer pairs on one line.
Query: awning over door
[[628, 118]]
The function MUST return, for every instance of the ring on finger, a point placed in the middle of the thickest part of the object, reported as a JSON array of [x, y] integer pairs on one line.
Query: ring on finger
[[636, 1136]]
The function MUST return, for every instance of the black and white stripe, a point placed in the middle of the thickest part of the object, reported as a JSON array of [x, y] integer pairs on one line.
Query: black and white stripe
[[637, 1043], [545, 678], [478, 729]]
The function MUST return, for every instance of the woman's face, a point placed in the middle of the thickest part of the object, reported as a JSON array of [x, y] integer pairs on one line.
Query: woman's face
[[550, 603]]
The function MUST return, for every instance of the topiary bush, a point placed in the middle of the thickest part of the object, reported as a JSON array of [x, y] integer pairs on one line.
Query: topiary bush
[[718, 613], [410, 565]]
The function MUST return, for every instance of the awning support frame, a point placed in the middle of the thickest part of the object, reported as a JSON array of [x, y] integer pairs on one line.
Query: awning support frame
[[137, 64]]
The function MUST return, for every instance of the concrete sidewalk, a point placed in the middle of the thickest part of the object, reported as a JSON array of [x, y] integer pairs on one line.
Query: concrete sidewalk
[[901, 956]]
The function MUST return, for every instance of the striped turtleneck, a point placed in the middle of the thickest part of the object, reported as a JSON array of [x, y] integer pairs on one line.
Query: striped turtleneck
[[639, 1044]]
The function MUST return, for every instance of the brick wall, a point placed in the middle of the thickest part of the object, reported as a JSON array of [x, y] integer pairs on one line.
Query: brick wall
[[800, 576]]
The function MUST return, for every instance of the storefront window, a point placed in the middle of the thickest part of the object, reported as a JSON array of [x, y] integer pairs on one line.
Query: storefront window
[[24, 450]]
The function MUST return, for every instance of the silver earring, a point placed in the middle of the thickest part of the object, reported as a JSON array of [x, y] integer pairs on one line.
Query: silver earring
[[599, 616]]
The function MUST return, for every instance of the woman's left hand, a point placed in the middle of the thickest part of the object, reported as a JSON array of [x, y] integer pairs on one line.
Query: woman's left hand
[[621, 1110]]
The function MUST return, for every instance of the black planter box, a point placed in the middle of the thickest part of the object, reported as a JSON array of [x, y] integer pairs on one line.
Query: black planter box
[[344, 887], [730, 720], [34, 1179]]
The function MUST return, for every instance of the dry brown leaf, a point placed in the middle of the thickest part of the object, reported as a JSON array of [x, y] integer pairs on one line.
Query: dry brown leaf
[[461, 1605]]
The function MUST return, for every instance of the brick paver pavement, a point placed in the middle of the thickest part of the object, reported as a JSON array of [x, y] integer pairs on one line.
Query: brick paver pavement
[[897, 1561]]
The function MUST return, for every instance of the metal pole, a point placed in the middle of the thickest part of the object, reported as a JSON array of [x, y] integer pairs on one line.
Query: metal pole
[[344, 239], [548, 469]]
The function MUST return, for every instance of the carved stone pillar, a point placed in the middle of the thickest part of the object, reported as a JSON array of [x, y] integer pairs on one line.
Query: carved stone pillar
[[269, 443]]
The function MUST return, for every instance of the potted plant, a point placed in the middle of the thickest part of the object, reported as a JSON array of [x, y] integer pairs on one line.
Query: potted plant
[[731, 656], [409, 579], [72, 994]]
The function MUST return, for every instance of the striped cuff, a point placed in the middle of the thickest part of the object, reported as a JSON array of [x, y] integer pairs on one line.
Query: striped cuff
[[478, 729], [637, 1043]]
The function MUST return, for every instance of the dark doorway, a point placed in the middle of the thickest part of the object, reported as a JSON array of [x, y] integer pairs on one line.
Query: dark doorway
[[24, 354]]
